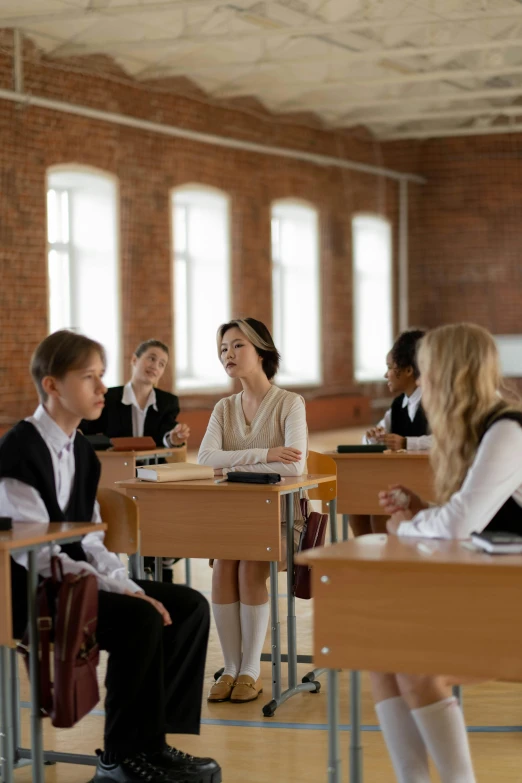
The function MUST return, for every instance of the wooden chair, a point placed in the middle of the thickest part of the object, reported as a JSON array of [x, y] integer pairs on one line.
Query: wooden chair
[[178, 455], [122, 517], [327, 493]]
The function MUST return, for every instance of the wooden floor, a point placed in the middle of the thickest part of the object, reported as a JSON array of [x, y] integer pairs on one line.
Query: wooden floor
[[291, 747]]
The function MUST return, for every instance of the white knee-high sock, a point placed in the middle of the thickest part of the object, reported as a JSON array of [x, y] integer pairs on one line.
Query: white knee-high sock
[[228, 626], [254, 621], [444, 733], [405, 744]]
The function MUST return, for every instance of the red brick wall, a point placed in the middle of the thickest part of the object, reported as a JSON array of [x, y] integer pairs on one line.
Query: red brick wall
[[465, 230], [148, 166]]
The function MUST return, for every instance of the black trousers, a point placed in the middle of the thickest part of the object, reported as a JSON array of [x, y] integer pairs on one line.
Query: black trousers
[[155, 673]]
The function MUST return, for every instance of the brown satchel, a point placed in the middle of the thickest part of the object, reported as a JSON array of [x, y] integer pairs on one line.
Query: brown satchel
[[72, 621], [313, 535]]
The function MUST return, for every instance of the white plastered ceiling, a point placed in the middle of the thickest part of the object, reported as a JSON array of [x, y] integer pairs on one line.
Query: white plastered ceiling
[[401, 68]]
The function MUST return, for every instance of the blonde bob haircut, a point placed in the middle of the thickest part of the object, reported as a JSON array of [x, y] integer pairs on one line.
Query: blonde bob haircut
[[462, 392], [259, 335]]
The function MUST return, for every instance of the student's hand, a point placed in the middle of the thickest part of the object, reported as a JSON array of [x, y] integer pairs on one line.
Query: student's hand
[[284, 454], [394, 442], [156, 604], [395, 520], [180, 434], [376, 433], [388, 503]]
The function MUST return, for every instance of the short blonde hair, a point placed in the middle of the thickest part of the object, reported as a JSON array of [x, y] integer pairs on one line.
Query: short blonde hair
[[258, 334], [462, 390]]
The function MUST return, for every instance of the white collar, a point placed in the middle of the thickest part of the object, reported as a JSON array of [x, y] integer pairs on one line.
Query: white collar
[[51, 432], [129, 398], [413, 399]]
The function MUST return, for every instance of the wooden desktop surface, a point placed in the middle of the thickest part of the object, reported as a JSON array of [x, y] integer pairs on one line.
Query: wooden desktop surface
[[24, 535], [360, 478], [382, 604], [209, 520]]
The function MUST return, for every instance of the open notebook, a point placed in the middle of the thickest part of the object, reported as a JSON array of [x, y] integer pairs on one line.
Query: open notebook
[[175, 471]]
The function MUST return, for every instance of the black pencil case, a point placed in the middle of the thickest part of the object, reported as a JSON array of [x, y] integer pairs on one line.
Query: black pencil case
[[377, 448], [253, 478]]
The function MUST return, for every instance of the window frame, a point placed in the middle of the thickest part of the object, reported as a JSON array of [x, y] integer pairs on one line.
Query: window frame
[[384, 222], [69, 246], [192, 386], [278, 268]]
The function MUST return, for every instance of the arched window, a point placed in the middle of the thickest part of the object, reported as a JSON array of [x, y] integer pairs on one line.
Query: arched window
[[296, 292], [201, 242], [83, 258], [372, 295]]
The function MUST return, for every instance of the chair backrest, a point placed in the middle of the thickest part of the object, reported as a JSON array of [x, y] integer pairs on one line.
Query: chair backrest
[[178, 455], [321, 463], [121, 515]]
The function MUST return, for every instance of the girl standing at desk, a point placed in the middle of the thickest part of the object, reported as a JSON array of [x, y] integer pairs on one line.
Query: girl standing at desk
[[404, 425], [139, 409], [477, 461], [262, 429]]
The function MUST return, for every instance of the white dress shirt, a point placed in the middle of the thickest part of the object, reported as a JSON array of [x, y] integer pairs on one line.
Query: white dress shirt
[[140, 414], [24, 504], [420, 443], [494, 476]]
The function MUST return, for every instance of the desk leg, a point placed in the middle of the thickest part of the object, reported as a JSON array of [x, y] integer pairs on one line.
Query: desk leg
[[6, 717], [334, 756], [356, 768], [188, 578], [291, 622], [312, 687], [457, 692], [15, 703], [332, 508], [158, 569], [34, 644], [275, 634], [346, 520]]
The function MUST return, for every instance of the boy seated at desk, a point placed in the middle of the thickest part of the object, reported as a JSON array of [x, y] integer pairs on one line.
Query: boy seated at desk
[[139, 408], [156, 634]]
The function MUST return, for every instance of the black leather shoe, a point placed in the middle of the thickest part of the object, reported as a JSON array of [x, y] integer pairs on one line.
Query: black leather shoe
[[136, 770], [194, 769]]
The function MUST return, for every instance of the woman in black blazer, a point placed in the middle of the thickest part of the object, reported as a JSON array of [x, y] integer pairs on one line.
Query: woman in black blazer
[[139, 409]]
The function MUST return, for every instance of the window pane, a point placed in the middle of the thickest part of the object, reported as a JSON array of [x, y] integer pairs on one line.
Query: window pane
[[59, 291], [372, 296], [86, 203], [295, 280], [202, 281], [181, 311]]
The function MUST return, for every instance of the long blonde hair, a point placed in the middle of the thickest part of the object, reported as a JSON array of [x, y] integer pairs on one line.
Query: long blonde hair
[[462, 389]]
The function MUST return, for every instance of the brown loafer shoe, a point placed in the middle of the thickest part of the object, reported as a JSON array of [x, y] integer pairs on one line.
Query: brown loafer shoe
[[246, 689], [222, 688]]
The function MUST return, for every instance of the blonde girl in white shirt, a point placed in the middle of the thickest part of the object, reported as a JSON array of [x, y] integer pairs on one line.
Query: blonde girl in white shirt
[[261, 429], [477, 461]]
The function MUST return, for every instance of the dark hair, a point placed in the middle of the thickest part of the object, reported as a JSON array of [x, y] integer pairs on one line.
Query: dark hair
[[404, 351], [144, 347], [60, 353], [258, 334]]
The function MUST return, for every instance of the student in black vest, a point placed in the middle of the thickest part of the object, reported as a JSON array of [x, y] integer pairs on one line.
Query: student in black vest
[[139, 409], [404, 425], [156, 634], [477, 461]]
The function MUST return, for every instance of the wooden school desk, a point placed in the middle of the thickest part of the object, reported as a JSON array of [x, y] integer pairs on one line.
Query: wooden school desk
[[360, 478], [25, 537], [383, 603], [232, 522]]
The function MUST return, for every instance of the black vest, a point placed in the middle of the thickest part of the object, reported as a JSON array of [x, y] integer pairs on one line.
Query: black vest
[[25, 456], [508, 519], [402, 425]]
